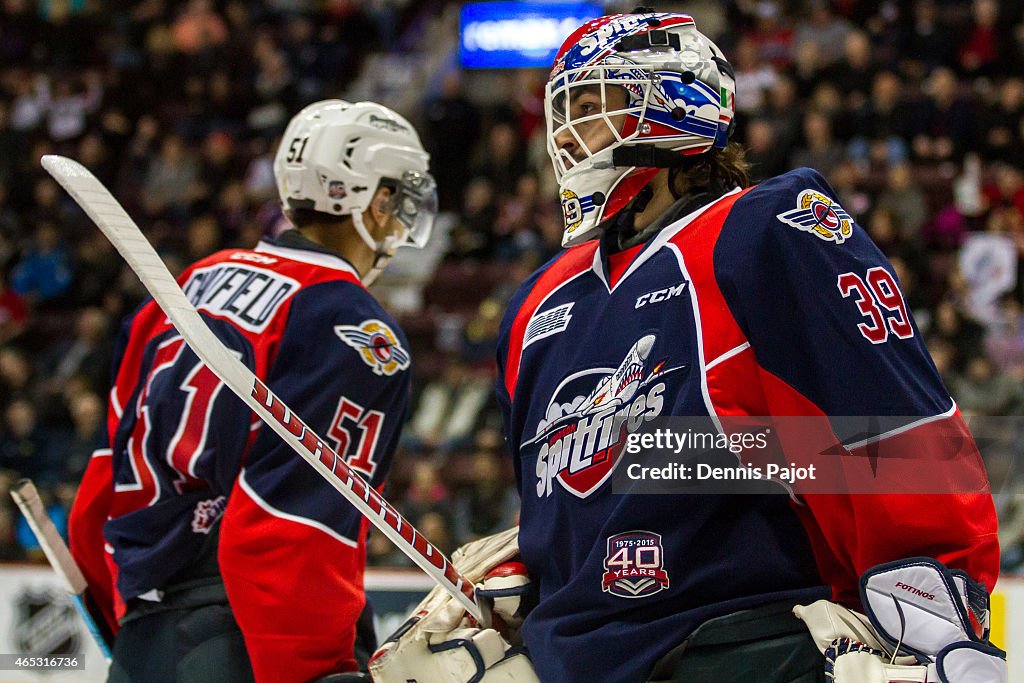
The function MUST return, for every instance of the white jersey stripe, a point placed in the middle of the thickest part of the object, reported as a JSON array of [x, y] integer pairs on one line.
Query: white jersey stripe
[[901, 430], [728, 354]]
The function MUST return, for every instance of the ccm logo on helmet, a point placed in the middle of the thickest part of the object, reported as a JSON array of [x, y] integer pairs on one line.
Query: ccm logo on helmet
[[660, 295], [916, 591]]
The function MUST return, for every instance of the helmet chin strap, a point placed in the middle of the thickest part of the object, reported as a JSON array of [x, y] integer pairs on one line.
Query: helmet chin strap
[[382, 251]]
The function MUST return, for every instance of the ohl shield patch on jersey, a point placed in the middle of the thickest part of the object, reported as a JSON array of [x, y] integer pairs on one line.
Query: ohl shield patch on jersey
[[588, 419], [377, 345], [819, 215], [634, 565]]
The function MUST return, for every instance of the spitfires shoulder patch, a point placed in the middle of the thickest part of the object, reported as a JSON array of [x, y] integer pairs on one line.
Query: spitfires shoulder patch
[[377, 345], [819, 215], [634, 566]]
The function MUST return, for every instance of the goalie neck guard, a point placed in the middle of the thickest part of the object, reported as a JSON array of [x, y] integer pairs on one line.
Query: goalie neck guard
[[630, 94]]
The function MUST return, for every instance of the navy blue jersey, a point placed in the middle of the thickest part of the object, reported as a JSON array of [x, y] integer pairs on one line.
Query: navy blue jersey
[[767, 302], [187, 456]]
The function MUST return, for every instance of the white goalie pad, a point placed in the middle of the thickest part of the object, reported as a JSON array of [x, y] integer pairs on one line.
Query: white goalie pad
[[848, 661], [829, 622], [465, 655], [440, 644]]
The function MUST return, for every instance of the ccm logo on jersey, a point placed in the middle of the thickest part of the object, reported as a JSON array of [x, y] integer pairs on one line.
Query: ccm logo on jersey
[[246, 296], [660, 295], [377, 345], [819, 215], [634, 565], [589, 418]]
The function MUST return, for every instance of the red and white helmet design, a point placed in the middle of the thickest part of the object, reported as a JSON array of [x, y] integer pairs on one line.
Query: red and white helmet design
[[627, 93]]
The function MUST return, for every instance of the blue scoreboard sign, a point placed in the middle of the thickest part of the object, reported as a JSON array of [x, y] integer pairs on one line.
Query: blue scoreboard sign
[[509, 35]]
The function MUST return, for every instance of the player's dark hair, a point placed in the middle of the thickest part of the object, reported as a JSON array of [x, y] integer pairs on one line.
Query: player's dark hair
[[303, 218], [726, 168]]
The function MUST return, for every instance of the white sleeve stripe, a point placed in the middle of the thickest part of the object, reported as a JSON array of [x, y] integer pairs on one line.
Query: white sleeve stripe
[[901, 430], [293, 518], [116, 404], [728, 354]]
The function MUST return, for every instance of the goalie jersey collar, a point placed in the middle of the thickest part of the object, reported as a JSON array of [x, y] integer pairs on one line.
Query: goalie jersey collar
[[620, 255]]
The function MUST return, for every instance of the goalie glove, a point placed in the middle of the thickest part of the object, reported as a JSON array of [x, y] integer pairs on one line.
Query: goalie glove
[[464, 655], [915, 606], [850, 661], [440, 643], [511, 594]]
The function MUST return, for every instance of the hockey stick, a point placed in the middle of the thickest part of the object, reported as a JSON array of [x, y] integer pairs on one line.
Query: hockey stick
[[127, 238], [26, 496]]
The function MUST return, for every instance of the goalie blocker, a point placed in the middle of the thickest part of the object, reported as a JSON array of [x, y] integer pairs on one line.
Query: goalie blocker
[[925, 623]]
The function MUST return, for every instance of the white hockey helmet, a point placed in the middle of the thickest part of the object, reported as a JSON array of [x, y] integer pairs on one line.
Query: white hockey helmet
[[333, 157], [677, 95]]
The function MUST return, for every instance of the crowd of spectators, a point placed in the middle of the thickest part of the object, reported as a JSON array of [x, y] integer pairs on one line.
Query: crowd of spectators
[[914, 111]]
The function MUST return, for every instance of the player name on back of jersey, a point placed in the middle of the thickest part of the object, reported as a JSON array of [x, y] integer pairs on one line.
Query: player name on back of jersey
[[244, 294]]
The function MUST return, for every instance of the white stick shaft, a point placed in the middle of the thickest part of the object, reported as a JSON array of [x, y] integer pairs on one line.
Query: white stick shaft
[[26, 496], [57, 553], [128, 239]]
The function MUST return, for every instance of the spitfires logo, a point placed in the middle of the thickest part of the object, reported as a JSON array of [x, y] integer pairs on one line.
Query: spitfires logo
[[820, 216], [634, 565], [589, 418], [377, 345]]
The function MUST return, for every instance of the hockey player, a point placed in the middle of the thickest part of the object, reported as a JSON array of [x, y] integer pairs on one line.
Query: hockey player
[[210, 547], [683, 292]]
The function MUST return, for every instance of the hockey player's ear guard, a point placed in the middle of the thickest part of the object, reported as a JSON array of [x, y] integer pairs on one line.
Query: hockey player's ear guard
[[630, 94], [334, 156]]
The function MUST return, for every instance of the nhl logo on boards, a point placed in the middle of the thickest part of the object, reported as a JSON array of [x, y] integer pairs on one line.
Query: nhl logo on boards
[[45, 624], [820, 216], [377, 345], [634, 565]]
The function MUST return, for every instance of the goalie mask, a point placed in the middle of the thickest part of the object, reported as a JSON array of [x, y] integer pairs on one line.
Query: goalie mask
[[333, 157], [630, 94]]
